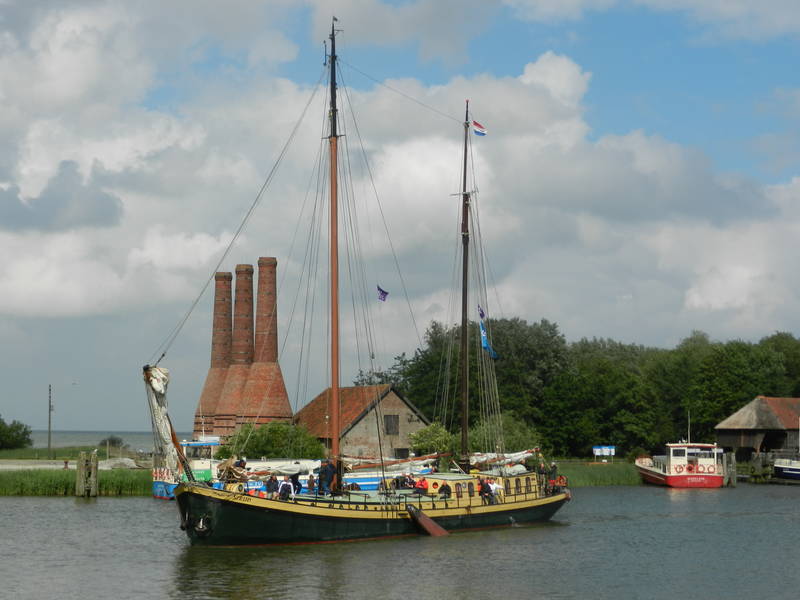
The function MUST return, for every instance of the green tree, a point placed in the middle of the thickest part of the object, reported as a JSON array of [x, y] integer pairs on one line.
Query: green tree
[[789, 347], [517, 435], [669, 376], [14, 435], [273, 440], [600, 398], [432, 439], [730, 376], [530, 357]]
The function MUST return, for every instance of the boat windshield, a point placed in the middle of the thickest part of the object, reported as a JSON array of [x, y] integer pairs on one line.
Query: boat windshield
[[198, 451]]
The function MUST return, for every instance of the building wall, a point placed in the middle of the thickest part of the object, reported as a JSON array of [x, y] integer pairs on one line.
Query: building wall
[[362, 439]]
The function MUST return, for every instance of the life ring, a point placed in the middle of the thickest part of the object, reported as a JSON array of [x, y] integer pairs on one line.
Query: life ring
[[679, 468], [561, 481], [711, 469], [701, 468], [689, 468]]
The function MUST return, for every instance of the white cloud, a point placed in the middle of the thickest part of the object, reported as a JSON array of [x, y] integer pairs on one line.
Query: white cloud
[[746, 19], [561, 76], [556, 10]]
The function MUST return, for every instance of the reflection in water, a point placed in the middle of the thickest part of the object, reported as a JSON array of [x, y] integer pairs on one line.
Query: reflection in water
[[390, 568], [259, 572]]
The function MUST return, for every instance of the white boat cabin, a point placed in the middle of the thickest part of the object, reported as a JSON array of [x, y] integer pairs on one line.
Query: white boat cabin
[[690, 458]]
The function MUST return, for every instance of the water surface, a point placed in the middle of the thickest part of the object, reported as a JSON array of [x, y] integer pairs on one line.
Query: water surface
[[609, 542]]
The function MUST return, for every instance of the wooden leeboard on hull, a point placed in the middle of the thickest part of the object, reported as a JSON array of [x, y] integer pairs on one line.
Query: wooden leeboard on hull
[[425, 523]]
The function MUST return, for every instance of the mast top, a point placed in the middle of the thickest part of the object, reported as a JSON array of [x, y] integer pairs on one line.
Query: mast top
[[333, 111]]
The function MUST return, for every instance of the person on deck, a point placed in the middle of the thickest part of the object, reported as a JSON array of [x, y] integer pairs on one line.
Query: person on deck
[[421, 487], [285, 489], [326, 473], [271, 486], [484, 491], [497, 489], [542, 472], [553, 474], [310, 484], [445, 491], [294, 478]]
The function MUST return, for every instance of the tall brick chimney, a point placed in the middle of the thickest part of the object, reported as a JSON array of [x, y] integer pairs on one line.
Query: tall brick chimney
[[265, 398], [241, 353], [220, 356], [266, 338]]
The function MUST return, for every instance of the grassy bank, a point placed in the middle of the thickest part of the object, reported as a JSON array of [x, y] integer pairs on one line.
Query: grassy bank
[[581, 473], [65, 453], [60, 482]]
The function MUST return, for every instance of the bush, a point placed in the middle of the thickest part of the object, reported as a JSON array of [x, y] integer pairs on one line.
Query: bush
[[14, 435], [273, 440], [113, 440]]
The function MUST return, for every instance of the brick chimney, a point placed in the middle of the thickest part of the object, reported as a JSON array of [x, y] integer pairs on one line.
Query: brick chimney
[[266, 338], [241, 353], [265, 398], [220, 356]]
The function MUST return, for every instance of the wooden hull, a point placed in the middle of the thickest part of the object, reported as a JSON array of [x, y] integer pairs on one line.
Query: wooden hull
[[684, 480], [218, 517]]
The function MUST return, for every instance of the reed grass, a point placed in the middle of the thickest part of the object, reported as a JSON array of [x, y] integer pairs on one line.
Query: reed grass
[[581, 474], [60, 482]]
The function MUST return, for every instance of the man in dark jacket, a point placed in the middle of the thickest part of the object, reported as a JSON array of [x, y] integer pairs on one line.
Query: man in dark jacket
[[326, 473]]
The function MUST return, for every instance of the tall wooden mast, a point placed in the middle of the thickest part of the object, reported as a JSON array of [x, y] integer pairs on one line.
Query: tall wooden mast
[[334, 257], [464, 297]]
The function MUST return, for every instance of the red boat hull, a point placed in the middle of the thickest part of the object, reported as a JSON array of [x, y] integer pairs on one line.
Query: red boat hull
[[684, 480]]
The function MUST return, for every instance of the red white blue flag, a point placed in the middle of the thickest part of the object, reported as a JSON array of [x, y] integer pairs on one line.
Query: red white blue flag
[[478, 128]]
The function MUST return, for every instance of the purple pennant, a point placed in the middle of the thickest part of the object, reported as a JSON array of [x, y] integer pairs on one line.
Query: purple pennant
[[382, 293]]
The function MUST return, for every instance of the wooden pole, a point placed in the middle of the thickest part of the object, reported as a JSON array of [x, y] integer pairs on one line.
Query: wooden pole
[[86, 475], [49, 418]]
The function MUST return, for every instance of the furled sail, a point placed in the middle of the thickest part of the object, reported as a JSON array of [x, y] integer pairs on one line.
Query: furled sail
[[156, 382]]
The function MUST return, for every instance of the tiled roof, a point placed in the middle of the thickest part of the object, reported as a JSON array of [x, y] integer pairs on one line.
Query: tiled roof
[[354, 402], [764, 412]]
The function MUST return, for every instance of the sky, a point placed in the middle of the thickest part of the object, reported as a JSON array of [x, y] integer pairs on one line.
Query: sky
[[639, 180]]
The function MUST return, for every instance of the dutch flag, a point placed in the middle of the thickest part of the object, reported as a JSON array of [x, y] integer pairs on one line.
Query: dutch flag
[[478, 128]]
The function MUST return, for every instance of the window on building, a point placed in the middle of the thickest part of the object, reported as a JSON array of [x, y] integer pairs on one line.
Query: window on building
[[391, 424], [401, 452]]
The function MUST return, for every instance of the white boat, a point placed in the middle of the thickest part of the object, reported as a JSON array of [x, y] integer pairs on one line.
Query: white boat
[[786, 468], [685, 465]]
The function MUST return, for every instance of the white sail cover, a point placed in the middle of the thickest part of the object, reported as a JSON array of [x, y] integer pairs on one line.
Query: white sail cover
[[156, 382]]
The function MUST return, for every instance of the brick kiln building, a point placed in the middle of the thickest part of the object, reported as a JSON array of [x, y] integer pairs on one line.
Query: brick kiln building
[[398, 418], [244, 382]]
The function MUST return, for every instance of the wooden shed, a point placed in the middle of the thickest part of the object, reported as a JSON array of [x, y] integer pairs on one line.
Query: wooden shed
[[362, 408], [764, 424]]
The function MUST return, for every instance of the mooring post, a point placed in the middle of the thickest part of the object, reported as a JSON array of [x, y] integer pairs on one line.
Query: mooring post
[[86, 478]]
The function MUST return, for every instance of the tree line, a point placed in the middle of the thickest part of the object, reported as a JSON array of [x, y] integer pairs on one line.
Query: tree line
[[599, 391]]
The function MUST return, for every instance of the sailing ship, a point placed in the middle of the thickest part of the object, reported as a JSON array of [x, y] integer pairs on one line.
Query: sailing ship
[[453, 501]]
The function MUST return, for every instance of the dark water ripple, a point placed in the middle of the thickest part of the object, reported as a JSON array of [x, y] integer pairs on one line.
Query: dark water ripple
[[609, 543]]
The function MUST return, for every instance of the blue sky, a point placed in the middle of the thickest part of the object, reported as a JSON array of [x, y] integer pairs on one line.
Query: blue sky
[[640, 178]]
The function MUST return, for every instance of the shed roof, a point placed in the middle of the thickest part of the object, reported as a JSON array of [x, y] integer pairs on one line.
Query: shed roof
[[764, 412], [355, 403]]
